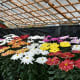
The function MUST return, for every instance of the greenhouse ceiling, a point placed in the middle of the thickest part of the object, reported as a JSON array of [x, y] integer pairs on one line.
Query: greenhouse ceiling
[[40, 12]]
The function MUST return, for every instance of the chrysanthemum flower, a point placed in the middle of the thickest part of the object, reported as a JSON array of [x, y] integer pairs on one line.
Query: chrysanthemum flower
[[75, 51], [9, 52], [45, 46], [53, 61], [22, 43], [17, 56], [66, 65], [77, 41], [16, 45], [54, 50], [43, 52], [2, 42], [4, 49], [55, 53], [66, 55], [46, 39], [27, 60], [64, 37], [77, 63], [54, 45], [21, 50], [41, 60], [65, 44], [24, 36]]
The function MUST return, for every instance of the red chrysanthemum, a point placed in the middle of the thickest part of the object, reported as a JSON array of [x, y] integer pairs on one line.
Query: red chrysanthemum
[[66, 65], [55, 54], [24, 36], [53, 61], [67, 55], [77, 63], [75, 51]]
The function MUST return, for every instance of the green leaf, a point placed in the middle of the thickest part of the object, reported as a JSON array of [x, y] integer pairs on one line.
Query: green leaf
[[51, 72], [51, 78]]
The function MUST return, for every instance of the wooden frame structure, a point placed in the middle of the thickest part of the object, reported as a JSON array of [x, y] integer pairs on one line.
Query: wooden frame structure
[[40, 12]]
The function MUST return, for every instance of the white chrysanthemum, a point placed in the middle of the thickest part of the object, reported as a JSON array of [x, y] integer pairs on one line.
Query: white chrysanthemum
[[41, 41], [37, 51], [76, 47], [10, 35], [44, 52], [33, 52], [36, 37], [32, 45], [41, 60], [17, 56], [8, 39], [2, 42], [27, 59], [29, 53], [35, 44]]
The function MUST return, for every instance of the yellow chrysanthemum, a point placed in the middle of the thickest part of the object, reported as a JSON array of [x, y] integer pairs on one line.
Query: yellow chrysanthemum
[[54, 45], [54, 50], [65, 44], [45, 46]]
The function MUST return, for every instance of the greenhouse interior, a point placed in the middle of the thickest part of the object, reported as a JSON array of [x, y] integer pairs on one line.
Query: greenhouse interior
[[39, 39]]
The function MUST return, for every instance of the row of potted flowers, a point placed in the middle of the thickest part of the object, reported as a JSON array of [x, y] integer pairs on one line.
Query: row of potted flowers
[[62, 51]]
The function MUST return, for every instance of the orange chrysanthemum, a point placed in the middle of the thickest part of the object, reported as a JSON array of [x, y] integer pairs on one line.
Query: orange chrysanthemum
[[9, 52], [4, 49], [21, 50]]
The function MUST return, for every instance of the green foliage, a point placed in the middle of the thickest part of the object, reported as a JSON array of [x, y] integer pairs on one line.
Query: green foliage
[[14, 70], [57, 74]]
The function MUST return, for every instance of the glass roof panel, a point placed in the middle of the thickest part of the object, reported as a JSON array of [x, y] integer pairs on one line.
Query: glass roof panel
[[74, 1], [77, 6], [54, 2], [76, 14], [32, 11], [70, 8], [63, 2], [62, 9], [44, 4], [24, 1], [68, 15]]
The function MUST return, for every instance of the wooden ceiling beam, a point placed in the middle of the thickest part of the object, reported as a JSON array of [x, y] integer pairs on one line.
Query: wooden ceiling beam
[[25, 10], [43, 11], [51, 4], [67, 5], [73, 6], [50, 13], [65, 9]]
